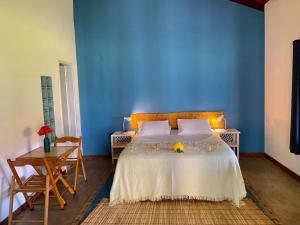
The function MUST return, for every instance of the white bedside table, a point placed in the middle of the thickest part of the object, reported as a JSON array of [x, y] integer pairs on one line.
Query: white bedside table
[[119, 141], [232, 138]]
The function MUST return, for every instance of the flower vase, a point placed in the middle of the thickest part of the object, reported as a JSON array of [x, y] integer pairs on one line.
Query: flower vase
[[46, 144]]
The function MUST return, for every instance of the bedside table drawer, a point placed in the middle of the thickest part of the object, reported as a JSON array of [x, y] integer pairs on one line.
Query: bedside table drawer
[[229, 138], [121, 140]]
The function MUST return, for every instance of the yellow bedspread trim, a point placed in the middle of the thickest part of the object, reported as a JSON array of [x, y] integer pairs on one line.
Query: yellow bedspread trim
[[172, 118]]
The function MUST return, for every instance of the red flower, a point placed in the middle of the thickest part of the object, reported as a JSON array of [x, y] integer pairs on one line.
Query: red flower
[[44, 130]]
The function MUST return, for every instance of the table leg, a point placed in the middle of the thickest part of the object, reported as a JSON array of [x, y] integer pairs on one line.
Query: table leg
[[67, 186], [60, 199], [65, 183]]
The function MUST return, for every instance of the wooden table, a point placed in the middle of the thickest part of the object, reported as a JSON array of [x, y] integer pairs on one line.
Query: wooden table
[[52, 161]]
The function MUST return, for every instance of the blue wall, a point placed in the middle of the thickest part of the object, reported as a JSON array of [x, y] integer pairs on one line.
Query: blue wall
[[168, 56]]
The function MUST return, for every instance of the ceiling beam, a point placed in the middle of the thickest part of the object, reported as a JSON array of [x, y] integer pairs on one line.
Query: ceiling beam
[[256, 4]]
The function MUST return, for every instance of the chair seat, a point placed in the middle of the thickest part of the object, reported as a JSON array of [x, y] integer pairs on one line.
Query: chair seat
[[34, 183]]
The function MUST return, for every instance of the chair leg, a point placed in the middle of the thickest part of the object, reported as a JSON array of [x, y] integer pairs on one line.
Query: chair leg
[[46, 210], [82, 166], [76, 174], [80, 157], [11, 201]]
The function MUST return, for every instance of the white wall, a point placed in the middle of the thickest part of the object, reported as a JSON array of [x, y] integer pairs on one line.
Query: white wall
[[282, 26], [34, 35]]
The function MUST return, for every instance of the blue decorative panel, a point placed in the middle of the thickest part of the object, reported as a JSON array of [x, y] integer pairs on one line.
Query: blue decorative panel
[[169, 56], [48, 104]]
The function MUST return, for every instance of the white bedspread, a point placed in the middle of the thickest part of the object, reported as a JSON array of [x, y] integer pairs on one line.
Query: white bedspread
[[148, 169]]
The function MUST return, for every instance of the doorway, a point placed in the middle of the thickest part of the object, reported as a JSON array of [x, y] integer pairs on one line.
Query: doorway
[[69, 98]]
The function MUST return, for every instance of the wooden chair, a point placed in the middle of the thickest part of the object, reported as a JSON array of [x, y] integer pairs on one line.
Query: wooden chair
[[34, 184], [71, 161]]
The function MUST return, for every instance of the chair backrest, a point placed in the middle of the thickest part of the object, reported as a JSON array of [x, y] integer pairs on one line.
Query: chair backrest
[[77, 140], [23, 162]]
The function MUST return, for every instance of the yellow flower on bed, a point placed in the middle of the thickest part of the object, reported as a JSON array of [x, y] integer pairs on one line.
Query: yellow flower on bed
[[178, 147]]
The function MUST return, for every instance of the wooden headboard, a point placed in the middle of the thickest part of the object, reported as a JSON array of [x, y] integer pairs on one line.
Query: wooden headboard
[[172, 117]]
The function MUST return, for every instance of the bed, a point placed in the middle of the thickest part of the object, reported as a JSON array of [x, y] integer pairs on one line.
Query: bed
[[148, 169]]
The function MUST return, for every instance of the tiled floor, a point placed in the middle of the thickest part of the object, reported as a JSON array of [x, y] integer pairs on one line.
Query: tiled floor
[[275, 188]]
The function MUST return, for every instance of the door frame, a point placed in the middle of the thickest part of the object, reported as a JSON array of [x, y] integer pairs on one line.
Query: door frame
[[76, 95]]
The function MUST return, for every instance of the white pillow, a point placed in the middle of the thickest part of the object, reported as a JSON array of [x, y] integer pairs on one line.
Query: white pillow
[[193, 126], [148, 128]]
